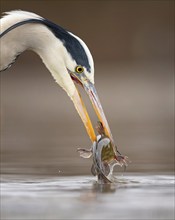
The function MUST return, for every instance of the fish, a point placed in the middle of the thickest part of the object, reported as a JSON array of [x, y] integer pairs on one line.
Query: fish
[[104, 157]]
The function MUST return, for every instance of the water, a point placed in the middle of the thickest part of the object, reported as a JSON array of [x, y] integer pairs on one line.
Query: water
[[133, 196]]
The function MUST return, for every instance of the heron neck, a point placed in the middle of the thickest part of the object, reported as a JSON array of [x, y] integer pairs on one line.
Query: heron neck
[[41, 40]]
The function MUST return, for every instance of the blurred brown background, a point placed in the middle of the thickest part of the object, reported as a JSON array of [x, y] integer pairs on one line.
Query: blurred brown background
[[132, 43]]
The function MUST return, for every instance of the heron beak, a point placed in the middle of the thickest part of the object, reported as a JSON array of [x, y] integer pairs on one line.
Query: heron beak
[[81, 109], [93, 96], [79, 105]]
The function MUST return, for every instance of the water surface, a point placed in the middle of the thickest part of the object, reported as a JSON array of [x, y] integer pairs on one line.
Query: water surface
[[132, 196]]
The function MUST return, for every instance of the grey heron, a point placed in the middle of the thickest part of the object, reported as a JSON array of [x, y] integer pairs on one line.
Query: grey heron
[[64, 54]]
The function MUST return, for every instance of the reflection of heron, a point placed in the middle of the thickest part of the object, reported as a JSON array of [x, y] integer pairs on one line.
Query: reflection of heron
[[64, 54]]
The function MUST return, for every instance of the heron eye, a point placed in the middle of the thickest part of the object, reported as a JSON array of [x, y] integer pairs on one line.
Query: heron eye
[[79, 69]]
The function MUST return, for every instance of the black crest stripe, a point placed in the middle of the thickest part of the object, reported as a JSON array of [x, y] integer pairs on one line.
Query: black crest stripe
[[18, 25], [72, 45]]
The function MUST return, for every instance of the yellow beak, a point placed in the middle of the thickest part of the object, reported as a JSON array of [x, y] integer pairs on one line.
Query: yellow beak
[[81, 109]]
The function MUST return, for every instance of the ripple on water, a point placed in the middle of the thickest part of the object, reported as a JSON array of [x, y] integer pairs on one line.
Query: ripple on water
[[132, 196]]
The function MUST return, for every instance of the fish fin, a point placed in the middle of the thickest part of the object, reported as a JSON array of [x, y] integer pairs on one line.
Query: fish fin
[[122, 160], [85, 153]]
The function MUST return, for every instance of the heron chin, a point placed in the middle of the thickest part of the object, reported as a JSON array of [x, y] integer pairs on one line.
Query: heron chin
[[64, 54]]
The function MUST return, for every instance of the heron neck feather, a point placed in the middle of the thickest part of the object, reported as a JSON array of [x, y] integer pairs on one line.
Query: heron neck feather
[[40, 39]]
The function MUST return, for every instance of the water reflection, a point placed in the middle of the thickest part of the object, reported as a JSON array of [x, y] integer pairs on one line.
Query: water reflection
[[131, 197], [104, 188]]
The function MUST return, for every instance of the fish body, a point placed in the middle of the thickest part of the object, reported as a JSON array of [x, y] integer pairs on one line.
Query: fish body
[[104, 157]]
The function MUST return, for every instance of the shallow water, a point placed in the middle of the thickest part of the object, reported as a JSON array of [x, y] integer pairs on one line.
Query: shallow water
[[132, 196]]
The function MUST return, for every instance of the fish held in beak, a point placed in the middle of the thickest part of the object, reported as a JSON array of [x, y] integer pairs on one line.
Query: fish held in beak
[[104, 158]]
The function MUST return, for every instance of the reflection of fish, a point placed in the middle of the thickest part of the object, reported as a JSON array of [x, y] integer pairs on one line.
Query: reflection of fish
[[104, 157]]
